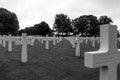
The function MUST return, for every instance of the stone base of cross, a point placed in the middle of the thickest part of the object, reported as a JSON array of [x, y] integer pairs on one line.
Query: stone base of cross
[[108, 56]]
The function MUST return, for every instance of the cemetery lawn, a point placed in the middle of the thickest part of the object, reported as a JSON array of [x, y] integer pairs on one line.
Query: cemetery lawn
[[57, 63]]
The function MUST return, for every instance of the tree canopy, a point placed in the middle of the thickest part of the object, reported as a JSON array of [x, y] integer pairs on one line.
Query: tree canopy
[[88, 25], [8, 22], [62, 24], [38, 29]]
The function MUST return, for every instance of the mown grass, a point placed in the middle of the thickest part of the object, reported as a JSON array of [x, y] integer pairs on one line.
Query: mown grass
[[57, 63]]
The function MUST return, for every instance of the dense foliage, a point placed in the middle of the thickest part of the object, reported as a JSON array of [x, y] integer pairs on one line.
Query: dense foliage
[[8, 22], [85, 25], [38, 29], [62, 24]]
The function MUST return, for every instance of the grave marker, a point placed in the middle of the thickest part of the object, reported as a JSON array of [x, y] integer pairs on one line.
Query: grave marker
[[93, 41], [10, 39], [54, 40], [4, 38], [86, 40], [47, 39], [24, 42], [108, 56], [77, 49]]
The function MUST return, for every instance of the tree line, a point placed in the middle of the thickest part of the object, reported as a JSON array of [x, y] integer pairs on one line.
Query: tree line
[[85, 25]]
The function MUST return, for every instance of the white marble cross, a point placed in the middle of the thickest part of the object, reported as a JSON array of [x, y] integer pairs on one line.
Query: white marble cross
[[47, 39], [54, 40], [10, 39], [72, 41], [93, 41], [86, 40], [32, 39], [1, 39], [108, 56], [24, 42], [77, 48], [4, 38]]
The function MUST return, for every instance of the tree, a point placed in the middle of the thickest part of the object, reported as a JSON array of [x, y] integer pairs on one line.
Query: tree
[[38, 29], [105, 20], [42, 28], [80, 24], [62, 24], [92, 28], [86, 25], [21, 31], [8, 22], [30, 30]]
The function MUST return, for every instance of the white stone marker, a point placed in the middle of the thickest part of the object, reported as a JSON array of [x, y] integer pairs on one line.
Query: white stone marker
[[32, 39], [10, 39], [24, 42], [93, 41], [1, 39], [57, 39], [77, 49], [54, 40], [86, 40], [108, 56], [47, 39], [41, 41], [5, 38], [73, 42]]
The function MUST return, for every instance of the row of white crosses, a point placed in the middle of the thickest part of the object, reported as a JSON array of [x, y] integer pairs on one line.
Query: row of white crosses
[[78, 40], [71, 40], [47, 39], [86, 39], [108, 56], [24, 41]]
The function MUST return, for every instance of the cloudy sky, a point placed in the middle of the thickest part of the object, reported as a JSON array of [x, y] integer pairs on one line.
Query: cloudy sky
[[30, 12]]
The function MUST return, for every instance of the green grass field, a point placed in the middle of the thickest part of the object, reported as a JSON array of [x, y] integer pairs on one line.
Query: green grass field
[[57, 63]]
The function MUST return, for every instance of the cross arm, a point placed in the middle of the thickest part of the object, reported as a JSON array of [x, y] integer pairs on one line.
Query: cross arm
[[100, 58]]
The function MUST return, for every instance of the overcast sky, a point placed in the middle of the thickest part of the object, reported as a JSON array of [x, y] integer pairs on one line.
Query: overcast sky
[[30, 12]]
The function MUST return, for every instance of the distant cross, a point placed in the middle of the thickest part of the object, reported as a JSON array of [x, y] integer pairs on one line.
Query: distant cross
[[86, 40], [108, 56], [1, 39], [73, 41], [4, 38], [10, 39], [32, 39], [77, 41], [54, 40], [47, 39], [24, 42], [93, 41]]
